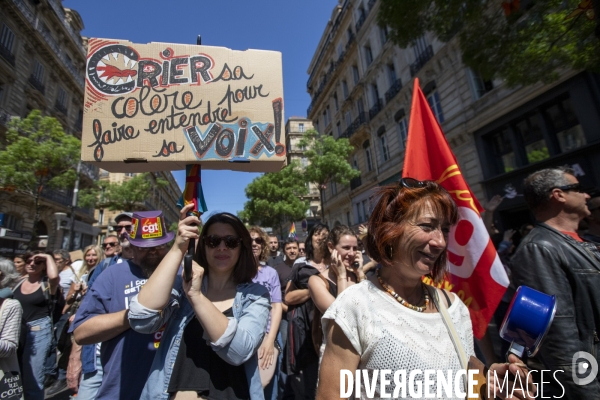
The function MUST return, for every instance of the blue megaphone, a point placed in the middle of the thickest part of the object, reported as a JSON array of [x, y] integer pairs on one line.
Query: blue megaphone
[[527, 320]]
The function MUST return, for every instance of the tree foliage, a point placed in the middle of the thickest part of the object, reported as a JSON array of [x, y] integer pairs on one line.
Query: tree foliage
[[128, 195], [276, 198], [37, 153], [328, 160], [522, 42]]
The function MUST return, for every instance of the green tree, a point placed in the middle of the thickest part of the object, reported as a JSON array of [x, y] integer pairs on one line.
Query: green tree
[[37, 153], [328, 161], [275, 198], [128, 195], [522, 42]]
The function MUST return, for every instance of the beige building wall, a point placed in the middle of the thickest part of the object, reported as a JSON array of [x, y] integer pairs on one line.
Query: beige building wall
[[361, 88]]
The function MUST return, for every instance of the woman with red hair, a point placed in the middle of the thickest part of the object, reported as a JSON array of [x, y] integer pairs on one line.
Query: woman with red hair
[[394, 321]]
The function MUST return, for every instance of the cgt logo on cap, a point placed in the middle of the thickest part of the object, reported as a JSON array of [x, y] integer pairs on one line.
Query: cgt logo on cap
[[151, 228]]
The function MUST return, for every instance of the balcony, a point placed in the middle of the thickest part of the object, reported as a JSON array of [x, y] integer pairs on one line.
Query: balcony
[[360, 120], [37, 84], [355, 182], [360, 22], [393, 90], [7, 55], [60, 12], [376, 109], [422, 59]]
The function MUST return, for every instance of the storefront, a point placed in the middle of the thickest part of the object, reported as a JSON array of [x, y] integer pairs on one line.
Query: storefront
[[560, 127]]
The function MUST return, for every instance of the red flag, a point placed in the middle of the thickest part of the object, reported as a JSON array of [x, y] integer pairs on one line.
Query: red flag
[[476, 273]]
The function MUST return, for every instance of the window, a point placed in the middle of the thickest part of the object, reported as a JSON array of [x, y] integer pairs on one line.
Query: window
[[328, 115], [348, 119], [368, 158], [61, 98], [402, 128], [365, 208], [348, 218], [7, 39], [301, 127], [340, 51], [563, 122], [335, 102], [420, 47], [355, 162], [360, 107], [304, 162], [345, 89], [434, 102], [359, 213], [333, 188], [384, 149], [12, 222], [479, 86], [502, 150], [339, 129], [391, 71], [368, 55], [355, 74], [375, 93], [383, 34], [38, 72], [533, 138]]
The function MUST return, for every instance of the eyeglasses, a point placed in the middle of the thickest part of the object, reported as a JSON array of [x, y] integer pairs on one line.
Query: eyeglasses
[[300, 250], [257, 240], [231, 242], [411, 183], [118, 228], [107, 245], [575, 187]]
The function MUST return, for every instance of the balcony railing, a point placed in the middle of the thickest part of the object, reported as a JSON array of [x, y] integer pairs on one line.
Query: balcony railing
[[37, 84], [393, 90], [360, 22], [355, 182], [7, 55], [360, 120], [60, 12], [376, 108], [422, 59]]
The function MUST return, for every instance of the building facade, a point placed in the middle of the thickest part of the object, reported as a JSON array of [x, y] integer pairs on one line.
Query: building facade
[[42, 60], [360, 85], [295, 128]]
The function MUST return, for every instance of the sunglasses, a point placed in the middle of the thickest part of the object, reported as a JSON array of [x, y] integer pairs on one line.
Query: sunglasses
[[36, 262], [107, 245], [118, 228], [257, 240], [575, 187], [213, 241], [300, 250], [411, 183]]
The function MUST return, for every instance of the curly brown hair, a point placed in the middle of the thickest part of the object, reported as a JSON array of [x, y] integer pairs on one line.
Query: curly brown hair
[[264, 254]]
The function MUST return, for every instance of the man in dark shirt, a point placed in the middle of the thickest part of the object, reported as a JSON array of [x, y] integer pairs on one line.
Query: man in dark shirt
[[275, 256], [126, 355]]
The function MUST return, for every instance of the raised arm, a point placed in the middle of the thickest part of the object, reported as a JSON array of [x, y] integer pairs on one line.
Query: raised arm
[[156, 293]]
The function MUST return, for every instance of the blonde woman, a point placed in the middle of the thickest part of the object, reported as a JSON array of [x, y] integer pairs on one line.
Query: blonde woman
[[92, 255]]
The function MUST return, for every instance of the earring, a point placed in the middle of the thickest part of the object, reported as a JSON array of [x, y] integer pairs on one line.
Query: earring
[[391, 252]]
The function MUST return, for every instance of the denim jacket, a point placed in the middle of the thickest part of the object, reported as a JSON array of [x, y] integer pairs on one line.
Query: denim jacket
[[238, 344]]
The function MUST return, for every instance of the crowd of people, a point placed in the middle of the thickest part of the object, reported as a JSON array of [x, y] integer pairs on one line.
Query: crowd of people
[[260, 319]]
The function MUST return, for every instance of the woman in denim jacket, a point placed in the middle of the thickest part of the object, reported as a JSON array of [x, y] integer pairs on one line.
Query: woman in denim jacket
[[204, 356]]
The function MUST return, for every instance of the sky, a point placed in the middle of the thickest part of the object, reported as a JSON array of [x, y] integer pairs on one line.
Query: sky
[[292, 27]]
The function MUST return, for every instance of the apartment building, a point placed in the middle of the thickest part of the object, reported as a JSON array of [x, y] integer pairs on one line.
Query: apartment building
[[295, 128], [360, 85], [42, 59]]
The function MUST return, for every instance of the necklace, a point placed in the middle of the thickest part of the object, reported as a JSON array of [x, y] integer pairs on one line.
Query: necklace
[[400, 299]]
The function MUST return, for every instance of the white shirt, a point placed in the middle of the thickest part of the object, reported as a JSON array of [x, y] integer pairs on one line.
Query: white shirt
[[390, 336]]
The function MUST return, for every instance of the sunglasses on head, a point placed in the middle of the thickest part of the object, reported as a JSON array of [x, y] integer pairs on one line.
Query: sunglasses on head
[[213, 241], [118, 228], [257, 240], [107, 245], [575, 187], [411, 183]]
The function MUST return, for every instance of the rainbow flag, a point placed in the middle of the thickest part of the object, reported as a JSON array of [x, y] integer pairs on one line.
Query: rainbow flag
[[193, 190], [293, 231]]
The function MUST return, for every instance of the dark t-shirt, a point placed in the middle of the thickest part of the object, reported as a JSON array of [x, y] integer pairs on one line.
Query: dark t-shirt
[[34, 304], [199, 369], [126, 358], [284, 272]]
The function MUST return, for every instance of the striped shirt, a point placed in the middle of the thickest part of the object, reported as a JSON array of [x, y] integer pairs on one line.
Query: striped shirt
[[10, 327]]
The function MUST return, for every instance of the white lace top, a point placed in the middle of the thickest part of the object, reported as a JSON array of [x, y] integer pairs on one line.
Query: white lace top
[[390, 336]]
